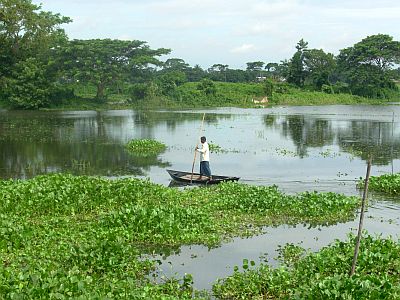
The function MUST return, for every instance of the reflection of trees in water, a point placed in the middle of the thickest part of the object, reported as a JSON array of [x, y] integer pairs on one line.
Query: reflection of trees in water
[[365, 139], [24, 160], [81, 143], [359, 138], [305, 132], [151, 119], [33, 143]]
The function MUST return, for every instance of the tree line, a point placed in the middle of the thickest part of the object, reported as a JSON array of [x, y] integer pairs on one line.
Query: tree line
[[40, 66]]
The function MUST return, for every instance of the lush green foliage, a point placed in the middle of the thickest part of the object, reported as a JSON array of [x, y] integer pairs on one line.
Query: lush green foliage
[[294, 96], [145, 147], [270, 206], [296, 70], [28, 37], [207, 86], [387, 183], [189, 95], [66, 236], [322, 275], [366, 66], [40, 68], [103, 62], [226, 94], [215, 148]]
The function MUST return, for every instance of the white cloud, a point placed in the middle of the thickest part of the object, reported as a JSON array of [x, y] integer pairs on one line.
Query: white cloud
[[245, 48], [231, 31]]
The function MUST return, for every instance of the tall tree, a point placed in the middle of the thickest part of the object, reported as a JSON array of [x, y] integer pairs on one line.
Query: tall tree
[[366, 66], [102, 62], [218, 72], [296, 69], [272, 70], [254, 69], [319, 67], [195, 74], [26, 30], [28, 36], [175, 64]]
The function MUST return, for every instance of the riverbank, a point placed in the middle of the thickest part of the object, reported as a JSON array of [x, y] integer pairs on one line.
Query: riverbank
[[186, 96], [243, 95]]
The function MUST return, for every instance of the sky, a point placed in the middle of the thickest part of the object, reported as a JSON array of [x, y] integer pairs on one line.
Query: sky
[[231, 32]]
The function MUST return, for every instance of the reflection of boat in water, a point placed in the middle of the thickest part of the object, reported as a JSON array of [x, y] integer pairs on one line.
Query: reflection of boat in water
[[187, 177]]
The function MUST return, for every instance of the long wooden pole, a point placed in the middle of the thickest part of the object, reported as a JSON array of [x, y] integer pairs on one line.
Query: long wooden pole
[[360, 225], [391, 152], [195, 152]]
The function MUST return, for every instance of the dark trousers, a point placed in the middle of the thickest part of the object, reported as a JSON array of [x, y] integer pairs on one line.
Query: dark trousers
[[205, 168]]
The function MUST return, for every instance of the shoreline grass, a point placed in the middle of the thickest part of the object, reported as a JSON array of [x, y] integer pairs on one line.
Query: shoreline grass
[[227, 94]]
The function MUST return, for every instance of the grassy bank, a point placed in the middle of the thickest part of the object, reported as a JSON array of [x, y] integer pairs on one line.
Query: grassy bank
[[67, 236], [226, 95], [244, 94], [301, 97]]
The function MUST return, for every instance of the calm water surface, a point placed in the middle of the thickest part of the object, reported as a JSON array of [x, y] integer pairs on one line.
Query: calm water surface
[[298, 148]]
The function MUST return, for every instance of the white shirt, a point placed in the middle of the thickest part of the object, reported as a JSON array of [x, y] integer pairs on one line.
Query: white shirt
[[204, 152]]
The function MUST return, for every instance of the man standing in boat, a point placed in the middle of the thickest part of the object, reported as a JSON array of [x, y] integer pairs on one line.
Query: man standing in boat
[[204, 158]]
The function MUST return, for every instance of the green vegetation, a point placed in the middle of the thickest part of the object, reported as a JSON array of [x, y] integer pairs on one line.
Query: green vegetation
[[42, 68], [214, 148], [321, 275], [206, 94], [388, 183], [295, 96], [227, 94], [145, 147], [78, 236]]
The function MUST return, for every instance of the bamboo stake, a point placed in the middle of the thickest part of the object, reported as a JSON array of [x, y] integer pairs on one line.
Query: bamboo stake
[[195, 152], [360, 225], [391, 151]]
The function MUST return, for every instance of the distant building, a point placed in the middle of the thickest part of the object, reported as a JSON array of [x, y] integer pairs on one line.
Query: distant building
[[260, 78]]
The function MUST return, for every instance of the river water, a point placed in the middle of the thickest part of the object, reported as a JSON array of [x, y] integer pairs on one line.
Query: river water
[[323, 148]]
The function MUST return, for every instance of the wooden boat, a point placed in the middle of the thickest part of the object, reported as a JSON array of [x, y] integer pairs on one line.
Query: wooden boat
[[186, 177]]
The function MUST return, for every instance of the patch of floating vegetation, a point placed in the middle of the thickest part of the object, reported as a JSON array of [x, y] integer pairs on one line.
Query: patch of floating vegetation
[[285, 152], [329, 153], [321, 275], [387, 183], [66, 236], [145, 147], [214, 148]]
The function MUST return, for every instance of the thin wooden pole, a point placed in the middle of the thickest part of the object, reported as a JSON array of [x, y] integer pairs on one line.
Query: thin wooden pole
[[360, 225], [195, 152], [391, 152]]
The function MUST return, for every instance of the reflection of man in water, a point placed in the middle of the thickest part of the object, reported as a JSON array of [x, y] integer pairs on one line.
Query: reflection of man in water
[[204, 158]]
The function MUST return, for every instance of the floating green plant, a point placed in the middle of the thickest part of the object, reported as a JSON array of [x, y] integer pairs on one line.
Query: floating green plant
[[67, 236], [145, 147], [285, 152], [321, 275], [329, 153], [387, 183], [215, 148]]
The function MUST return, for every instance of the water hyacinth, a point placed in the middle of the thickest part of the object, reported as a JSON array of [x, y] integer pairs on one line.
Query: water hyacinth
[[65, 236], [145, 147], [322, 275], [387, 183], [214, 148]]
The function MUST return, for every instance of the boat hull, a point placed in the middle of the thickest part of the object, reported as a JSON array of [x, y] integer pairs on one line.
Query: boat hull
[[196, 178]]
